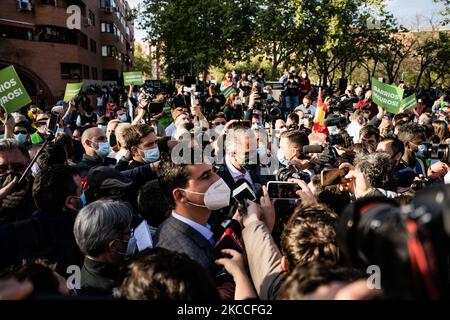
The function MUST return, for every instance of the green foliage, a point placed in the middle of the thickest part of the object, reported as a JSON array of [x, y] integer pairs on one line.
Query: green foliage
[[142, 62]]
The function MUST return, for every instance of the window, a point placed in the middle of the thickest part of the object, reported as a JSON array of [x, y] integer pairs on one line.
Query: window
[[94, 73], [86, 72], [70, 71], [109, 51], [92, 17], [56, 34], [107, 27], [107, 3], [50, 2], [93, 45], [16, 33], [83, 40]]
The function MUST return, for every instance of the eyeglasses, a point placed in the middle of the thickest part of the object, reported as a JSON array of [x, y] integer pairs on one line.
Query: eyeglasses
[[18, 132], [14, 167]]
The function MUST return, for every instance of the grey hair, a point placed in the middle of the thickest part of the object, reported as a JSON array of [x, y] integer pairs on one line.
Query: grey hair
[[235, 140], [11, 145], [99, 223]]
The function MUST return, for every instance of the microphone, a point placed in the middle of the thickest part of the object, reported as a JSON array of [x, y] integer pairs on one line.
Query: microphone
[[313, 149], [229, 236], [241, 192]]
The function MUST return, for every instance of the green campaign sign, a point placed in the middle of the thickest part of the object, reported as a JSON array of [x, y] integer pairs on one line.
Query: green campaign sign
[[132, 78], [387, 96], [72, 90], [409, 102], [13, 95]]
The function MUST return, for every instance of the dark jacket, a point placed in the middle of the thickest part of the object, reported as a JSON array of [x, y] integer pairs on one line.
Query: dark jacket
[[98, 277], [47, 235], [176, 235], [218, 216], [88, 162]]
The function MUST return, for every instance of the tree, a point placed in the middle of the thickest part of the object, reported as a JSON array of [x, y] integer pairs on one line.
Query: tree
[[277, 33], [199, 34], [142, 62], [334, 30]]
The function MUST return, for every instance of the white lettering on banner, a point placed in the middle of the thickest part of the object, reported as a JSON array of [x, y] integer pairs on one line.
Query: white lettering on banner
[[385, 100], [74, 20], [11, 96], [7, 85]]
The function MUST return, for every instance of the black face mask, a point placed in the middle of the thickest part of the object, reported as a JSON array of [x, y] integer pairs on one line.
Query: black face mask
[[112, 140]]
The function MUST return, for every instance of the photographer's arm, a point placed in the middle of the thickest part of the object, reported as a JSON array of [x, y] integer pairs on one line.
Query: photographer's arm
[[264, 257]]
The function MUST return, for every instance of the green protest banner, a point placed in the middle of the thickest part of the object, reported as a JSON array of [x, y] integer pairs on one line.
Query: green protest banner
[[132, 78], [387, 96], [409, 102], [72, 90], [13, 95], [228, 91]]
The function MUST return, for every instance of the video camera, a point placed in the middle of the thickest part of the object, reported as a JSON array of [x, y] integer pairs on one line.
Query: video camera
[[340, 139], [291, 172], [343, 103], [434, 151]]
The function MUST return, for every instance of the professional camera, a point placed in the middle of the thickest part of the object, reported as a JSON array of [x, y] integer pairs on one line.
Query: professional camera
[[291, 172], [340, 139], [343, 103], [434, 151], [339, 122], [147, 93], [410, 244], [421, 183]]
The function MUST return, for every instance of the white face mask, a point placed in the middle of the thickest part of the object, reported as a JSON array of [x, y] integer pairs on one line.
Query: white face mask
[[102, 127], [255, 127], [216, 197], [219, 128]]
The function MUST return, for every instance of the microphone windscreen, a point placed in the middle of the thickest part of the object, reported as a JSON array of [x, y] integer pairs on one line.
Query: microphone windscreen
[[312, 149]]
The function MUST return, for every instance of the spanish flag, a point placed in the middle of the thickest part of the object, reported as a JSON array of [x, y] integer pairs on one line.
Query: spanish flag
[[321, 112]]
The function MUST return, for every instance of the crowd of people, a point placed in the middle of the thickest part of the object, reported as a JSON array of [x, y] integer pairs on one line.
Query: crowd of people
[[166, 195]]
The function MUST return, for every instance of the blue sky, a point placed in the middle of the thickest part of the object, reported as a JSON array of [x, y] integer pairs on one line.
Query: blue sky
[[404, 10]]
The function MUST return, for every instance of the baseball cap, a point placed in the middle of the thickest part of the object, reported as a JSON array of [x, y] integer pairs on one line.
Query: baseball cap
[[104, 177]]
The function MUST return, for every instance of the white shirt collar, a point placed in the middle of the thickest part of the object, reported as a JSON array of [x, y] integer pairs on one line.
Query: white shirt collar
[[204, 231], [235, 173]]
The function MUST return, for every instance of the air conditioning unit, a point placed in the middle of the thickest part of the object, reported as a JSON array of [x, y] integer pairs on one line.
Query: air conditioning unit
[[109, 9], [24, 5]]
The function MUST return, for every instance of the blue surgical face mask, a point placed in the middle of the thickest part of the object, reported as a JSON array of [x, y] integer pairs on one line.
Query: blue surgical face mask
[[151, 155], [21, 138], [83, 198], [269, 96], [123, 118], [102, 127], [103, 149]]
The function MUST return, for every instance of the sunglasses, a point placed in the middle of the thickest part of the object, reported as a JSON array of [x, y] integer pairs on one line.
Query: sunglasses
[[14, 167]]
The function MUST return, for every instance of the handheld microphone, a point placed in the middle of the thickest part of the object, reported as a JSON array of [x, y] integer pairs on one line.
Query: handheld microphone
[[313, 149], [243, 191], [230, 238]]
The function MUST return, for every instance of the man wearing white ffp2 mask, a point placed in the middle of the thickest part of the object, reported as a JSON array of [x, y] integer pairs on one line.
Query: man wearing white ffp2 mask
[[194, 192]]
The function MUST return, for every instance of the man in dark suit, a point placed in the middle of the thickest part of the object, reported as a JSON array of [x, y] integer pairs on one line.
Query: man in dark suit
[[193, 191], [241, 163]]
